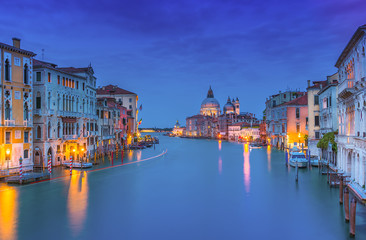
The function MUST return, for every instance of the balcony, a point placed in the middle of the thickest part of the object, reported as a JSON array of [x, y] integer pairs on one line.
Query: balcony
[[51, 112], [27, 123], [345, 89], [9, 122], [70, 137], [37, 112]]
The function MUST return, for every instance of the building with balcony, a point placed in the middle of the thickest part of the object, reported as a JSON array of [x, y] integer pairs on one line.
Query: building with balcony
[[277, 117], [126, 98], [351, 139], [328, 113], [313, 123], [16, 107], [65, 120]]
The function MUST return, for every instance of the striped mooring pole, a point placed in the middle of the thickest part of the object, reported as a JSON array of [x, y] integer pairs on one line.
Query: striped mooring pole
[[21, 170], [49, 164], [70, 165]]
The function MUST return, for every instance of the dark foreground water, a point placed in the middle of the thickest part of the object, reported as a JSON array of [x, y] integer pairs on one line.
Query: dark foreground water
[[200, 189]]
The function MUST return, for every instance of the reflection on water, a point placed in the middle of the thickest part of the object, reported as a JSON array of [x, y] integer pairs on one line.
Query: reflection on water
[[77, 202], [8, 212], [138, 155], [246, 168], [269, 157], [219, 145], [129, 155], [220, 165]]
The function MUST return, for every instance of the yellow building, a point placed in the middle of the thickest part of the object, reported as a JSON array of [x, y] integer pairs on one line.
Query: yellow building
[[16, 107]]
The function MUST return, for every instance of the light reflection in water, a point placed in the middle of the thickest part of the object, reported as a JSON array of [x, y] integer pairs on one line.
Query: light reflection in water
[[219, 145], [8, 213], [77, 202], [138, 155], [129, 155], [220, 165], [246, 168], [269, 157]]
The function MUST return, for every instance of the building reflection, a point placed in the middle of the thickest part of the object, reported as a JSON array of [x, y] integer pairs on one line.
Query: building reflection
[[220, 165], [77, 202], [246, 168], [219, 145], [269, 157], [8, 213]]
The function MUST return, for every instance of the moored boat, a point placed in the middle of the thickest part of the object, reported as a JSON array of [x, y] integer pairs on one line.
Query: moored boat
[[298, 158], [255, 145], [314, 161], [78, 165]]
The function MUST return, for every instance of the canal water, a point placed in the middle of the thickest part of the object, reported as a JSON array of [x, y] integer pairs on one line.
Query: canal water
[[200, 189]]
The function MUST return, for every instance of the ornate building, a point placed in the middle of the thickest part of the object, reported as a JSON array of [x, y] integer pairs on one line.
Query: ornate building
[[210, 106], [16, 106]]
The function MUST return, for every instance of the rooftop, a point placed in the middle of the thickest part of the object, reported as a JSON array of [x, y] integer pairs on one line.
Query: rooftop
[[303, 100], [112, 90]]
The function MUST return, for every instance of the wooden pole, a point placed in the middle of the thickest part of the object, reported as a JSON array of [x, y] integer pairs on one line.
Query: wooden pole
[[297, 172], [346, 204], [352, 228], [341, 190]]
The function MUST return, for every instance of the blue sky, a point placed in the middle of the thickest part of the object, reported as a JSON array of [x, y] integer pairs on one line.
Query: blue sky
[[169, 52]]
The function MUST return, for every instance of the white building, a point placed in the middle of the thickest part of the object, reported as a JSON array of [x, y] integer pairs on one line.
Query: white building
[[65, 119], [352, 108], [243, 131]]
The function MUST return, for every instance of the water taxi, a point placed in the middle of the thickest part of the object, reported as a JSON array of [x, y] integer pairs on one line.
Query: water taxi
[[298, 158]]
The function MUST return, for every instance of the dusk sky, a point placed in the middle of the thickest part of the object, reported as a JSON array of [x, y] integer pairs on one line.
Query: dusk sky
[[170, 52]]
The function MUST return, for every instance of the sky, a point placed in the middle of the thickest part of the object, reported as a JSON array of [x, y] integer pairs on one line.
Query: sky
[[169, 52]]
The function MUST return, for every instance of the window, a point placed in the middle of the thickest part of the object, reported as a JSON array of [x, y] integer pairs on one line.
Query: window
[[83, 86], [7, 137], [38, 76], [26, 154], [317, 135], [26, 112], [297, 127], [316, 100], [7, 110], [63, 81], [49, 100], [77, 84], [49, 77], [49, 130], [316, 120], [330, 101], [130, 106], [130, 100], [7, 70], [274, 103], [297, 113], [58, 80], [38, 100], [284, 95], [39, 132], [25, 75], [26, 137]]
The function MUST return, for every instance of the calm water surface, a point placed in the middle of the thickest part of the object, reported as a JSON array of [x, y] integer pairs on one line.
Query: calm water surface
[[201, 189]]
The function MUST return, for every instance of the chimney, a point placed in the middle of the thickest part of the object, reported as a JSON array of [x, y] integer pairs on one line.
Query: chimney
[[16, 42], [308, 83]]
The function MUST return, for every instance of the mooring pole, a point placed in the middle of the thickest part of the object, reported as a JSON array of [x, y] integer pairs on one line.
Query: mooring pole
[[297, 172], [341, 190], [352, 227], [346, 204]]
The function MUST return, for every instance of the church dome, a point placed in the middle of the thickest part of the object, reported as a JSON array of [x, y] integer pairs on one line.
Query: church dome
[[229, 107], [210, 106]]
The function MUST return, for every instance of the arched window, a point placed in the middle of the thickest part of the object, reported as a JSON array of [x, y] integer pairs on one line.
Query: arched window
[[7, 110], [63, 103], [7, 70], [26, 112], [77, 104], [58, 130], [83, 105], [38, 100], [49, 101], [77, 129], [49, 132], [25, 73], [58, 102], [39, 132], [72, 104]]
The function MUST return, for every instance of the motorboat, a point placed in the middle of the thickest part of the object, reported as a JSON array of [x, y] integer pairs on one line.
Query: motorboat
[[314, 161], [298, 158], [255, 145], [78, 165]]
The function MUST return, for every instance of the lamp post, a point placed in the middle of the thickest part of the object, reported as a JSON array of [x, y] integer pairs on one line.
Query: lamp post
[[7, 152], [82, 156]]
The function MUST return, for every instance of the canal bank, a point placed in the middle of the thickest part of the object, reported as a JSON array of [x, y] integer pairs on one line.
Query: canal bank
[[201, 189]]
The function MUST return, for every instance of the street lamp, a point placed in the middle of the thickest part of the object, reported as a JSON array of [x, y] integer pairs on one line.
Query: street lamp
[[7, 152]]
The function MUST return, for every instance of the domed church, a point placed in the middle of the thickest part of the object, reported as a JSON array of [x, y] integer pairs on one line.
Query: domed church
[[210, 106]]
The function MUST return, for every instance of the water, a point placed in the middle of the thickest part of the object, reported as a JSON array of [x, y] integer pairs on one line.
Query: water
[[201, 189]]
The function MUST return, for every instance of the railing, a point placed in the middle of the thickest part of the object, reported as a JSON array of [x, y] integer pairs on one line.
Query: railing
[[37, 112], [9, 122], [345, 85], [27, 123]]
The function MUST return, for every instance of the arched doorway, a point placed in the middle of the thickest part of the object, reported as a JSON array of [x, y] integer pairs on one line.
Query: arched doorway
[[38, 160], [349, 163]]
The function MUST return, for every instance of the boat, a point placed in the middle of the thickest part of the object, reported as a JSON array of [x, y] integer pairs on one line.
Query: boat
[[78, 165], [314, 161], [255, 145], [298, 158]]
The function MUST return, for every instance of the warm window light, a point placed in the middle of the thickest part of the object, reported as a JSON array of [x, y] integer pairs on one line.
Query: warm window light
[[82, 149], [7, 152], [73, 150]]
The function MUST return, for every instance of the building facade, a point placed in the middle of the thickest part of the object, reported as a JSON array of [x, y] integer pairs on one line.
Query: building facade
[[16, 133], [65, 121], [351, 139]]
